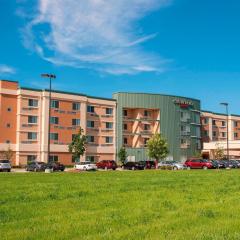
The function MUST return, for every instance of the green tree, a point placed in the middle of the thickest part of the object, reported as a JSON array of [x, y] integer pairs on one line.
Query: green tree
[[122, 155], [77, 146], [8, 154], [219, 152], [157, 147]]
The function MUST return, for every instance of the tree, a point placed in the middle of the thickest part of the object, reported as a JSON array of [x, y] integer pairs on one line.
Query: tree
[[197, 154], [122, 155], [7, 154], [157, 147], [219, 152], [77, 146]]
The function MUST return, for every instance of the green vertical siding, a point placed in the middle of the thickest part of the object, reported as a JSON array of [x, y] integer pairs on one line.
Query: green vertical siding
[[170, 124]]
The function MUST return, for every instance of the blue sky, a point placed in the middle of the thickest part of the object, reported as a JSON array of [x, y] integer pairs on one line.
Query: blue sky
[[180, 47]]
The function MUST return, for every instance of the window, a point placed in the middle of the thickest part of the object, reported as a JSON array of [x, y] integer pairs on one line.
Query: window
[[90, 159], [125, 112], [54, 136], [90, 139], [76, 106], [109, 139], [223, 123], [235, 135], [125, 126], [31, 158], [205, 132], [125, 140], [90, 124], [32, 119], [90, 109], [8, 125], [32, 135], [214, 122], [235, 124], [76, 122], [7, 141], [109, 125], [224, 134], [9, 109], [146, 113], [214, 133], [146, 127], [205, 120], [109, 111], [54, 120], [73, 136], [145, 140], [75, 160], [32, 103], [54, 104], [53, 158]]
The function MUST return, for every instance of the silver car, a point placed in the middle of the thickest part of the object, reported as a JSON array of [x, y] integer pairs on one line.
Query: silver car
[[171, 165], [5, 166]]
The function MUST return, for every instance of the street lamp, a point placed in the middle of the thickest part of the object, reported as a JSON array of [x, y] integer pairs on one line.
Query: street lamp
[[226, 106], [50, 76]]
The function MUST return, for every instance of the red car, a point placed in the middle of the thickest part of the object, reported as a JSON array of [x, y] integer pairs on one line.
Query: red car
[[107, 164], [199, 163]]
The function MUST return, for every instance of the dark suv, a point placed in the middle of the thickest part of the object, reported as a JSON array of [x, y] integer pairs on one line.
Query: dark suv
[[200, 163], [36, 166], [107, 164], [56, 166], [134, 166]]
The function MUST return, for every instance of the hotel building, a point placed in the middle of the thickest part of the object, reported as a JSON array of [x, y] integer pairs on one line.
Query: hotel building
[[214, 134], [24, 115]]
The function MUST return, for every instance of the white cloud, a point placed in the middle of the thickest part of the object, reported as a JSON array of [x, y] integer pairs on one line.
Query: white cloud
[[98, 34], [6, 70]]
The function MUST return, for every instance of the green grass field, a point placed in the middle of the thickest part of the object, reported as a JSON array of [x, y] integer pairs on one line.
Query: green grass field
[[121, 205]]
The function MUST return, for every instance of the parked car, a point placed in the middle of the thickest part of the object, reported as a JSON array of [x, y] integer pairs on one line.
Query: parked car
[[171, 165], [234, 163], [149, 164], [199, 163], [36, 166], [5, 166], [107, 164], [85, 166], [56, 166], [134, 166]]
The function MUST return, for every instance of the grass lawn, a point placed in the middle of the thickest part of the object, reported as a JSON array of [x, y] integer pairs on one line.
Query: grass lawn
[[121, 205]]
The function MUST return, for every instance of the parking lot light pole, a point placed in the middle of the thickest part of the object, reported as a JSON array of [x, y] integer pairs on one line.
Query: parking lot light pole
[[50, 77], [226, 105]]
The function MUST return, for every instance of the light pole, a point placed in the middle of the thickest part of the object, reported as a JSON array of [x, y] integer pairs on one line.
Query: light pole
[[226, 105], [50, 76]]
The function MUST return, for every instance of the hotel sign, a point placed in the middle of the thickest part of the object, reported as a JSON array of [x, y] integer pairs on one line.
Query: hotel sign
[[183, 103]]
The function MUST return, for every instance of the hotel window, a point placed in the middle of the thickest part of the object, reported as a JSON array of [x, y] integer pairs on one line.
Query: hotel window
[[224, 134], [146, 113], [145, 140], [54, 104], [90, 159], [90, 109], [214, 134], [90, 124], [235, 135], [32, 135], [146, 127], [205, 120], [214, 122], [109, 111], [235, 124], [223, 123], [32, 103], [205, 133], [125, 126], [90, 139], [53, 158], [109, 125], [76, 106], [54, 136], [8, 125], [32, 119], [75, 122], [125, 113], [109, 139], [54, 120], [125, 141], [31, 158]]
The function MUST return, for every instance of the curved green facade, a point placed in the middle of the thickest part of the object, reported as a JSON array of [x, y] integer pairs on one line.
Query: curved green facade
[[179, 122]]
